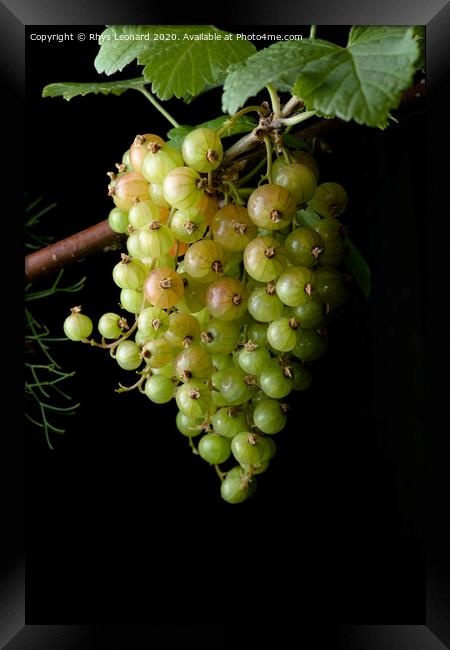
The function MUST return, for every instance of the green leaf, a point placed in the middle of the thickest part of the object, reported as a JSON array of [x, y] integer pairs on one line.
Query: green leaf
[[358, 267], [362, 81], [72, 89], [278, 64], [293, 142], [308, 217], [419, 35], [245, 124], [179, 61]]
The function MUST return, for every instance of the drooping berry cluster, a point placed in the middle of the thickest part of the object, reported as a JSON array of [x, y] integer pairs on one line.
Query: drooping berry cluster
[[230, 302]]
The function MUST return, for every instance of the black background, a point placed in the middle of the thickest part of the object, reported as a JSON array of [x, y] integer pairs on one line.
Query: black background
[[124, 523]]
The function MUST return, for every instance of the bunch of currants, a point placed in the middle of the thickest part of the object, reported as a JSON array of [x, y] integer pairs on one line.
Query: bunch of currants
[[230, 301]]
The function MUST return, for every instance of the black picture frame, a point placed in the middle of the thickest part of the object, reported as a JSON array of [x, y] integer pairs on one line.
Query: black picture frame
[[434, 632]]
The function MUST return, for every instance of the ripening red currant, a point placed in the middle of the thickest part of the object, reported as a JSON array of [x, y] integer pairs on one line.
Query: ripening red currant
[[141, 146], [298, 179], [226, 299], [232, 228], [271, 207], [127, 188], [163, 288]]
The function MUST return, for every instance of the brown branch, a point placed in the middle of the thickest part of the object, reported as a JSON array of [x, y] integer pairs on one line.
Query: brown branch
[[410, 97], [69, 250], [101, 237]]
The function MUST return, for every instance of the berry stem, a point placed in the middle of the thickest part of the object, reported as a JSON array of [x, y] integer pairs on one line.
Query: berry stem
[[192, 446], [252, 172], [296, 119], [219, 472], [274, 99], [312, 31], [158, 106], [229, 123], [269, 158]]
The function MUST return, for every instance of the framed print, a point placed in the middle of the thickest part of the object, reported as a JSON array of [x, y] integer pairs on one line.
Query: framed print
[[130, 539]]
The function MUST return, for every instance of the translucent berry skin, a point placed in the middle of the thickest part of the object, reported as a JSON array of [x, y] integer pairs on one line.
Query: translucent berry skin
[[180, 188], [329, 200], [155, 239], [306, 159], [128, 355], [257, 333], [182, 326], [118, 220], [143, 212], [234, 489], [298, 179], [194, 399], [260, 263], [193, 363], [187, 426], [304, 247], [163, 288], [274, 383], [331, 231], [271, 207], [330, 287], [153, 322], [202, 150], [205, 260], [281, 335], [293, 284], [309, 312], [157, 353], [159, 389], [233, 386], [77, 326], [127, 188], [310, 345], [141, 146], [129, 274], [214, 448], [264, 306], [156, 194], [108, 326], [253, 362], [188, 226], [220, 337], [131, 300], [268, 416], [249, 448], [228, 422], [232, 228], [157, 165], [226, 299]]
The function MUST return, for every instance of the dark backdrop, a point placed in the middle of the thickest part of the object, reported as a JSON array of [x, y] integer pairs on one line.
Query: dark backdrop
[[124, 524]]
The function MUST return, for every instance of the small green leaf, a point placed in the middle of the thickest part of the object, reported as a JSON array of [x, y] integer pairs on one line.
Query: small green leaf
[[179, 61], [358, 267], [293, 142], [245, 124], [72, 89], [419, 35], [278, 64], [308, 217], [362, 81]]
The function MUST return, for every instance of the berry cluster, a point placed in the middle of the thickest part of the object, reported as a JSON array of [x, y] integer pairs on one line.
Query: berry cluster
[[231, 302]]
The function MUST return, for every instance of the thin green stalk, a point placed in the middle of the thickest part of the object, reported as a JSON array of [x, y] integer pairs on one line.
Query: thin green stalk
[[229, 123], [252, 172], [158, 106], [312, 31], [269, 158], [296, 119], [274, 100]]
